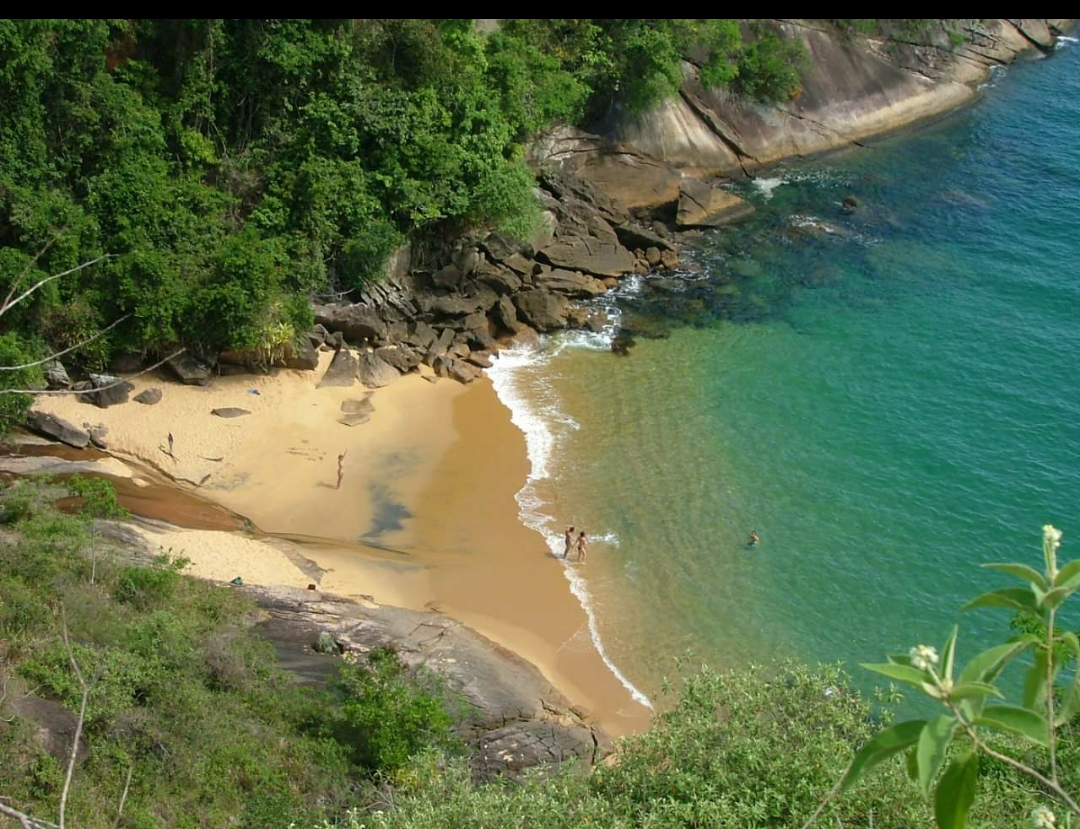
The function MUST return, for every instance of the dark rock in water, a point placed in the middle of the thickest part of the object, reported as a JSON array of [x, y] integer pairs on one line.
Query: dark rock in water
[[374, 372], [99, 436], [57, 377], [149, 397], [301, 355], [506, 313], [401, 357], [542, 309], [702, 205], [570, 283], [111, 391], [125, 364], [587, 254], [621, 343], [850, 204], [229, 411], [512, 750], [440, 346], [342, 370], [51, 426], [357, 323], [189, 371], [634, 236], [448, 277]]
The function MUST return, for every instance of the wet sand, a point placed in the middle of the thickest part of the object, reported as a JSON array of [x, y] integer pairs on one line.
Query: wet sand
[[425, 517]]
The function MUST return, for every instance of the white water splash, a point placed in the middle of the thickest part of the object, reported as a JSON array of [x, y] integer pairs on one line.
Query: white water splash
[[536, 422], [767, 185]]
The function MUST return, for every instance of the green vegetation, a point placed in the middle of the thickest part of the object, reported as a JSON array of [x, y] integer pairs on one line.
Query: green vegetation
[[230, 167], [180, 692]]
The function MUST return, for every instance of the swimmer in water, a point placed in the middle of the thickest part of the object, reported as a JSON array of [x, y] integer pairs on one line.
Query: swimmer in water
[[754, 538]]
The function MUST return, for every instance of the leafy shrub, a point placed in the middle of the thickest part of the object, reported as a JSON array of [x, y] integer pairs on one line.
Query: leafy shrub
[[147, 586]]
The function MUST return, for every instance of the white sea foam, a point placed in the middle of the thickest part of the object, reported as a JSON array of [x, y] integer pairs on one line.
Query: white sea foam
[[1064, 41], [767, 185], [541, 423]]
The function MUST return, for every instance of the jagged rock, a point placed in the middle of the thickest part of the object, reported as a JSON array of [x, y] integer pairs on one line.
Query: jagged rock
[[455, 369], [111, 391], [569, 282], [401, 357], [519, 264], [189, 371], [335, 340], [57, 376], [357, 323], [506, 313], [669, 259], [99, 436], [584, 253], [512, 750], [301, 355], [475, 322], [702, 205], [499, 247], [611, 282], [652, 256], [317, 335], [542, 309], [501, 280], [125, 363], [636, 236], [478, 298], [448, 277], [459, 351], [149, 397], [229, 412], [440, 346], [341, 371], [51, 426], [480, 340], [421, 335], [480, 359], [374, 372]]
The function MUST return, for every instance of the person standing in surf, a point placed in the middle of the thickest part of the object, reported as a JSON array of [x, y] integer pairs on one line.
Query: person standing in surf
[[569, 542], [582, 546]]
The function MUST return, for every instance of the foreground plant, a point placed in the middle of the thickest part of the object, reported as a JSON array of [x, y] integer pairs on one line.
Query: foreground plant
[[957, 739]]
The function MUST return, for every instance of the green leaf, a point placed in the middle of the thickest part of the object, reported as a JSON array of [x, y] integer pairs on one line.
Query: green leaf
[[971, 690], [1035, 682], [1014, 720], [1068, 574], [901, 673], [888, 743], [933, 748], [956, 792], [948, 653], [1055, 597], [988, 665], [1014, 598], [912, 763], [1021, 571], [1070, 703]]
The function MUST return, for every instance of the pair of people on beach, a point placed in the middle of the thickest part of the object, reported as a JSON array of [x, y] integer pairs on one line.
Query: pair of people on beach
[[581, 542]]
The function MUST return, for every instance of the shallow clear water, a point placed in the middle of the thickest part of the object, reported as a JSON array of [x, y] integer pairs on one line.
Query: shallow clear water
[[889, 397]]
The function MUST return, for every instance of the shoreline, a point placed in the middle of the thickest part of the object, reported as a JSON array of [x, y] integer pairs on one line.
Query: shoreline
[[426, 518]]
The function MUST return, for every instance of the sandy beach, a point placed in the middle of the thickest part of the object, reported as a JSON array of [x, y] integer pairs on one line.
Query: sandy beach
[[425, 517]]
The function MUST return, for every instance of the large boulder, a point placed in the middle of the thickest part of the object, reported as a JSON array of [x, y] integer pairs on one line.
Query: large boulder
[[53, 727], [57, 376], [512, 750], [542, 309], [448, 277], [110, 390], [52, 426], [189, 371], [506, 313], [702, 205], [341, 371], [301, 355], [635, 236], [590, 255], [358, 323], [440, 346], [421, 336], [499, 279], [125, 364], [374, 372], [569, 282], [401, 357]]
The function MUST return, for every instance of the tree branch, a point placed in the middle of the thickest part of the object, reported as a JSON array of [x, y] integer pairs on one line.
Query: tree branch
[[22, 275], [11, 303], [79, 725], [60, 354], [123, 797], [94, 390]]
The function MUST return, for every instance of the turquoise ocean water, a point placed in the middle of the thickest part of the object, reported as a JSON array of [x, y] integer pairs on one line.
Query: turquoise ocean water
[[889, 397]]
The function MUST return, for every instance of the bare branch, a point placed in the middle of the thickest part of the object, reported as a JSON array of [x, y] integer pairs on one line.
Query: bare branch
[[24, 820], [158, 364], [9, 304], [82, 717], [60, 354], [18, 280], [123, 797]]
